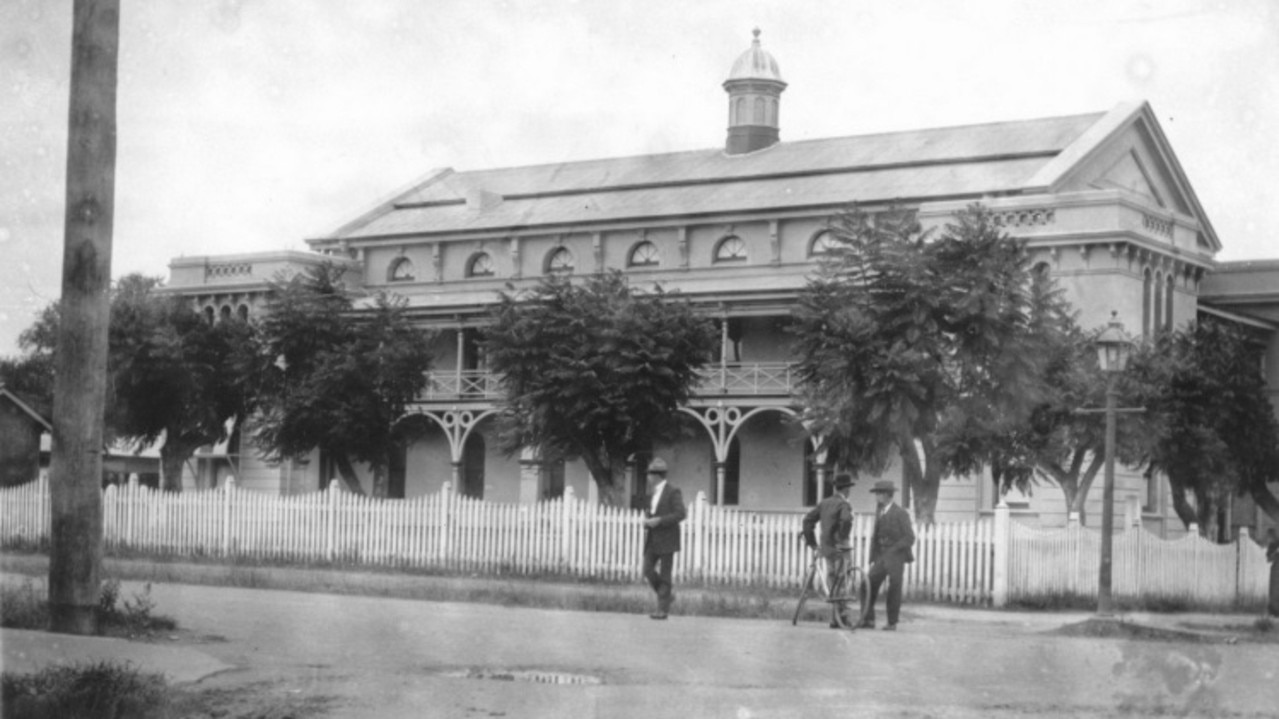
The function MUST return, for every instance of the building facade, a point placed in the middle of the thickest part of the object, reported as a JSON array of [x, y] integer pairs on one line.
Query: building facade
[[738, 230]]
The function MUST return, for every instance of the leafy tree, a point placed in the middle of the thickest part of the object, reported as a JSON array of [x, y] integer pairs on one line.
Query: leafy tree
[[595, 369], [335, 379], [928, 347], [1064, 439], [30, 375], [172, 374], [1216, 433]]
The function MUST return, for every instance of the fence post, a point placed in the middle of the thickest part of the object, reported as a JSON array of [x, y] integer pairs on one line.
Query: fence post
[[226, 515], [1003, 525], [1239, 565], [446, 494], [566, 530], [331, 528], [699, 534]]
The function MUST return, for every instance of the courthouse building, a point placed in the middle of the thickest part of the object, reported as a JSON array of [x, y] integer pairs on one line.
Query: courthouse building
[[738, 229]]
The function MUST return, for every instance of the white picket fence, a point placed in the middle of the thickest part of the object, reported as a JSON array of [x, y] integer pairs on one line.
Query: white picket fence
[[982, 562]]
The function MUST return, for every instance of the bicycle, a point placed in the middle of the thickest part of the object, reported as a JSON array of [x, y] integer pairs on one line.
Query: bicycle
[[851, 588]]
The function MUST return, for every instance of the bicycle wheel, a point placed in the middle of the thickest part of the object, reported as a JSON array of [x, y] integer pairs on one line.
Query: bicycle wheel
[[808, 589], [840, 599], [859, 591]]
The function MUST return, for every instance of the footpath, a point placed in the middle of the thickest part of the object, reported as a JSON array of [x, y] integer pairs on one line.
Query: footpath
[[30, 650]]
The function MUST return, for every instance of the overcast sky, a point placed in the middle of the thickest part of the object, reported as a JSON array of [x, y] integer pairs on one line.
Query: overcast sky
[[249, 125]]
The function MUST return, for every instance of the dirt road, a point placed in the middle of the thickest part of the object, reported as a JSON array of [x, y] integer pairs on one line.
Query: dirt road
[[298, 654]]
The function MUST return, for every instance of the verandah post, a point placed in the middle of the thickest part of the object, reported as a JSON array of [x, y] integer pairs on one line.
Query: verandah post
[[1003, 523]]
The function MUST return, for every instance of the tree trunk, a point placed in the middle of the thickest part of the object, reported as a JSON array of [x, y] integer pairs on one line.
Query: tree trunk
[[173, 455], [923, 477], [349, 478], [381, 481], [610, 479]]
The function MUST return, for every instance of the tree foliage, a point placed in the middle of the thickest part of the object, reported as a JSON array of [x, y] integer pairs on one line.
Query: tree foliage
[[1216, 435], [928, 347], [336, 379], [595, 369], [173, 375], [173, 378]]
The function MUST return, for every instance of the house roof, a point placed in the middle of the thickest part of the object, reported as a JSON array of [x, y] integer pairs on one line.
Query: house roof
[[966, 162], [25, 408]]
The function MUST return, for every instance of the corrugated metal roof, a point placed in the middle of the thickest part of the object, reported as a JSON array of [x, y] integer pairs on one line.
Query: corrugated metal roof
[[917, 164]]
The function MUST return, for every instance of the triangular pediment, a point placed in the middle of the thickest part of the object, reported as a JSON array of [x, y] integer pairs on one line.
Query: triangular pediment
[[1127, 151], [1127, 174]]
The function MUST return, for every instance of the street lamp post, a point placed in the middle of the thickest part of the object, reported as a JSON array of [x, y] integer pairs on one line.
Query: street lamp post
[[1113, 349]]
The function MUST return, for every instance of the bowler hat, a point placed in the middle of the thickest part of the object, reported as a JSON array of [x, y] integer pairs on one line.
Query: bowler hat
[[657, 466], [884, 486], [843, 479]]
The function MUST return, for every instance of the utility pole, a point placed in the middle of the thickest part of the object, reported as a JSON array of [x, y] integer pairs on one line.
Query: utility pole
[[79, 395]]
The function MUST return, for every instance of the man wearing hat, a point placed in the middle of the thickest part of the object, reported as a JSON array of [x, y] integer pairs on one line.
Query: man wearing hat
[[836, 517], [890, 552], [663, 514]]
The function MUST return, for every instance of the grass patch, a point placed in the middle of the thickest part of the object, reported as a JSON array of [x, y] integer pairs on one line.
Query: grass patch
[[1152, 604], [26, 606], [104, 690]]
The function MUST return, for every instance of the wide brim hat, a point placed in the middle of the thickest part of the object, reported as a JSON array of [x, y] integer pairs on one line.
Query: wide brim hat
[[843, 480], [657, 466], [883, 486]]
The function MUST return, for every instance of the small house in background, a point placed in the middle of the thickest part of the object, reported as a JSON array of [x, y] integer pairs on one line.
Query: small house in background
[[20, 430], [120, 459]]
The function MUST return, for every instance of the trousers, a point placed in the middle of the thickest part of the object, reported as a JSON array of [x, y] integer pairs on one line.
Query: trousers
[[893, 572], [657, 571]]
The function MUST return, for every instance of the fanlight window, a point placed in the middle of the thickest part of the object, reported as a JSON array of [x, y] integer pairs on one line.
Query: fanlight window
[[401, 270], [823, 244], [644, 255], [730, 249], [481, 266], [560, 262]]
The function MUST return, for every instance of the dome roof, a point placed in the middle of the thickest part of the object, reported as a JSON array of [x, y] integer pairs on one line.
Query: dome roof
[[755, 64]]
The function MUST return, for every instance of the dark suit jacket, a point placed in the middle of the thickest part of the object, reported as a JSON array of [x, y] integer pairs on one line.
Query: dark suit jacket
[[893, 537], [836, 517], [664, 538]]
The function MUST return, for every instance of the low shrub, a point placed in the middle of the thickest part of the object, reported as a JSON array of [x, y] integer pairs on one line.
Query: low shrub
[[24, 606], [105, 690]]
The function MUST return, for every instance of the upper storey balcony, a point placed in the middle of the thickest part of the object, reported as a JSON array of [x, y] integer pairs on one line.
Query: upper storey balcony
[[765, 379]]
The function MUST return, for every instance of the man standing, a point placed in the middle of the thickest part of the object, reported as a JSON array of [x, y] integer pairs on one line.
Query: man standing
[[890, 551], [836, 517], [661, 535]]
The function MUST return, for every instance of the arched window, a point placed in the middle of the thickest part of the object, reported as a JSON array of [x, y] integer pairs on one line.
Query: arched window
[[243, 312], [1147, 287], [559, 262], [401, 270], [480, 265], [822, 244], [1168, 304], [739, 109], [225, 314], [730, 249], [644, 254], [760, 117], [208, 314]]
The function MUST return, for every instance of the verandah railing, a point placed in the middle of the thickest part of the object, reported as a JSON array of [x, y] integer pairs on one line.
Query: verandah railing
[[982, 562]]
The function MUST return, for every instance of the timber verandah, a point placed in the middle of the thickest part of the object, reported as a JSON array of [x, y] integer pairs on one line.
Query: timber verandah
[[989, 562]]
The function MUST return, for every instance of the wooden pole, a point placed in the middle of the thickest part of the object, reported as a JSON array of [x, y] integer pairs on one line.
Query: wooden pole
[[75, 554]]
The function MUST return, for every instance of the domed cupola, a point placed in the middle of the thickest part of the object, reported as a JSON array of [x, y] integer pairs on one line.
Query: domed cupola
[[754, 88]]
